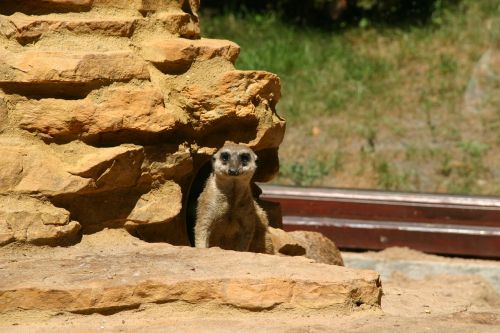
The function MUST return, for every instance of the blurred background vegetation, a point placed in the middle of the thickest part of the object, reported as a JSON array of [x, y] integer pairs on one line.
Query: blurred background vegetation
[[383, 94]]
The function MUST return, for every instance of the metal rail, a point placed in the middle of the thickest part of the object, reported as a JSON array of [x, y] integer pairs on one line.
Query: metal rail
[[365, 219]]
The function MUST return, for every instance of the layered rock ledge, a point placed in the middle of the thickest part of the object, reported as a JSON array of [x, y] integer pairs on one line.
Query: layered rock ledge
[[106, 278]]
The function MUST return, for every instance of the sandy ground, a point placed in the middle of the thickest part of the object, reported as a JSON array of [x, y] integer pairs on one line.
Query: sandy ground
[[437, 303]]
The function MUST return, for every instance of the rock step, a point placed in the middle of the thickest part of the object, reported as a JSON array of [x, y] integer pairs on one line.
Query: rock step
[[70, 67], [26, 29], [176, 55], [127, 277], [30, 167], [113, 110], [36, 6], [68, 74]]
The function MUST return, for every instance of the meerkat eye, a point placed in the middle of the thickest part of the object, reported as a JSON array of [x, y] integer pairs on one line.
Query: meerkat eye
[[224, 157], [244, 158]]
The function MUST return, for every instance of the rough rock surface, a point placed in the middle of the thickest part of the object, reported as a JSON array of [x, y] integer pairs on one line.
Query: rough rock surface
[[42, 67], [113, 110], [177, 55], [105, 278], [27, 29], [30, 220], [108, 110], [437, 303], [31, 167]]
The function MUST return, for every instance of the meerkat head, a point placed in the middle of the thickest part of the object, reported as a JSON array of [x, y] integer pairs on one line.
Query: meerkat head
[[234, 160]]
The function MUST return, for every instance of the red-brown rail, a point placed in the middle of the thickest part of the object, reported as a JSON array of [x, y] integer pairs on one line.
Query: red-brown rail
[[365, 219]]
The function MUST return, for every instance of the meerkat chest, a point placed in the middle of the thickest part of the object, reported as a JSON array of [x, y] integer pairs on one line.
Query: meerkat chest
[[234, 202], [239, 212]]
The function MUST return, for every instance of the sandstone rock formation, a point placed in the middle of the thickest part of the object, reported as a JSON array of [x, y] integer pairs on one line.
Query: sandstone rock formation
[[108, 109], [110, 271]]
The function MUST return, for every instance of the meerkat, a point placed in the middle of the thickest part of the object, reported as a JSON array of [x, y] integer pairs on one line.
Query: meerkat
[[227, 215]]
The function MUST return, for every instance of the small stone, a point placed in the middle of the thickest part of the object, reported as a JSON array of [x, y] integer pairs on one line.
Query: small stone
[[318, 247], [285, 244]]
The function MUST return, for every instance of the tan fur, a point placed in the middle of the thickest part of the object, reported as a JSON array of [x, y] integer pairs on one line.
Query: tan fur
[[227, 215]]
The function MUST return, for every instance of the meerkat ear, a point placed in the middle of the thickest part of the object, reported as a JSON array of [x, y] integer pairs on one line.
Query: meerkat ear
[[255, 157]]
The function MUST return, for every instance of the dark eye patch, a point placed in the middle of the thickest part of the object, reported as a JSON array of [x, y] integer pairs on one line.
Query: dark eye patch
[[244, 158], [224, 156]]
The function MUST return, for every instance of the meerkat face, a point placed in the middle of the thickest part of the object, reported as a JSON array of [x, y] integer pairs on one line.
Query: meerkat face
[[234, 161]]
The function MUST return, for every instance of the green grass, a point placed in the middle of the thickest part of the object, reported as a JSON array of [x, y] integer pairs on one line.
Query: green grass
[[313, 64], [311, 171], [388, 100]]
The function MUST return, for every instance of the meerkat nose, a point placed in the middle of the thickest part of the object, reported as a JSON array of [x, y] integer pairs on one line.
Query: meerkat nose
[[233, 172]]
